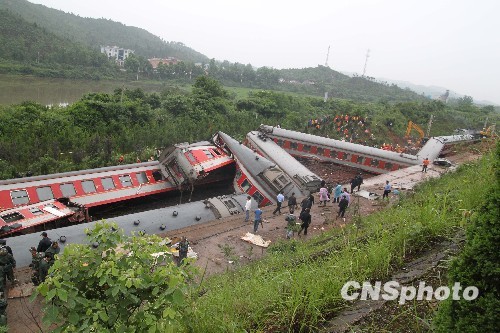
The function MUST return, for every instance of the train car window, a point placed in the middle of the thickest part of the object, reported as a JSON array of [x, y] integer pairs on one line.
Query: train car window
[[108, 183], [36, 211], [88, 186], [374, 163], [306, 148], [157, 175], [333, 154], [246, 185], [19, 197], [229, 204], [142, 178], [208, 154], [258, 197], [320, 151], [68, 190], [125, 180], [345, 156], [294, 145], [9, 218], [360, 159], [217, 152], [44, 193], [388, 166], [191, 158], [279, 142]]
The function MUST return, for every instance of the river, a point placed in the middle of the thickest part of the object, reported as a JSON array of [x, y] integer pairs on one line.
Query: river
[[15, 89]]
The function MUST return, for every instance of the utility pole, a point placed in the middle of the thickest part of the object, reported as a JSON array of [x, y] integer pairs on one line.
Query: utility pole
[[366, 61], [327, 54]]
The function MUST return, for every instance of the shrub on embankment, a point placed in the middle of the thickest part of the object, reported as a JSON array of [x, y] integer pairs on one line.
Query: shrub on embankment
[[477, 265], [298, 284]]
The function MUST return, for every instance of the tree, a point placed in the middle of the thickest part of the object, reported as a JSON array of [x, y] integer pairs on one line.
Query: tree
[[119, 284], [466, 104]]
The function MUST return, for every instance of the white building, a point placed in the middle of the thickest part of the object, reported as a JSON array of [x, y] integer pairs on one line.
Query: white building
[[117, 53]]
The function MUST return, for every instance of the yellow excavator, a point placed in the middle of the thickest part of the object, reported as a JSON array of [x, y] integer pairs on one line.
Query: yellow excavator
[[488, 132], [412, 125]]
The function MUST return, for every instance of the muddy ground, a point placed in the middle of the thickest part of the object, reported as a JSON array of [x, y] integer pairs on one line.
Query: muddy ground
[[218, 243]]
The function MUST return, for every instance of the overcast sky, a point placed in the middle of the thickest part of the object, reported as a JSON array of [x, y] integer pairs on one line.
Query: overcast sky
[[452, 44]]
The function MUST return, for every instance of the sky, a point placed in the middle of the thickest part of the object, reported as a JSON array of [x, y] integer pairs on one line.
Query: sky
[[451, 44]]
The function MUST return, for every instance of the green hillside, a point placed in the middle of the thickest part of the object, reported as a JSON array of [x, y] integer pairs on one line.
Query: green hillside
[[97, 32]]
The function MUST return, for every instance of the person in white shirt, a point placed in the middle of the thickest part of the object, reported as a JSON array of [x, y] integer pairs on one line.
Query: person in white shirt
[[387, 190], [279, 201], [248, 205]]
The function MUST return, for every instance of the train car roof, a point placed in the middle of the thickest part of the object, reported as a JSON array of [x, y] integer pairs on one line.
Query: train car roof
[[80, 172], [353, 147]]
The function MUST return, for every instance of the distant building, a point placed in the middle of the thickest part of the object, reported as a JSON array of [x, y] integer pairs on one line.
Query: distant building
[[119, 54], [166, 61]]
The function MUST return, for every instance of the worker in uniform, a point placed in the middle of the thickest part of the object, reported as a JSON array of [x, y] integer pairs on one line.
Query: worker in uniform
[[43, 268], [44, 243], [425, 164], [8, 264], [52, 251], [36, 258]]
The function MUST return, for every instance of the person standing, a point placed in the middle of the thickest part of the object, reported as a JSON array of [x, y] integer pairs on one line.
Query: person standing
[[336, 193], [387, 190], [359, 180], [279, 201], [305, 217], [44, 243], [354, 183], [43, 268], [52, 251], [7, 264], [323, 195], [248, 206], [183, 248], [346, 195], [425, 164], [257, 220], [342, 207], [292, 203]]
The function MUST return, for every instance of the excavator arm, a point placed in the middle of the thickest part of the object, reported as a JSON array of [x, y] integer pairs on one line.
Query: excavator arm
[[412, 125]]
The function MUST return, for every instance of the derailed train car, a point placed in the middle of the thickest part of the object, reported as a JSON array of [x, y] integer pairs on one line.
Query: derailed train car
[[367, 158], [256, 175], [299, 173], [148, 222], [26, 203]]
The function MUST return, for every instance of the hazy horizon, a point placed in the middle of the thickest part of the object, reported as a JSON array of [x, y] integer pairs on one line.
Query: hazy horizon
[[450, 44]]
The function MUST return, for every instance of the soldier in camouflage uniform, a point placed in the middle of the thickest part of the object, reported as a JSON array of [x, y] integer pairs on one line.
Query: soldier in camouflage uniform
[[52, 251], [43, 267], [36, 257], [8, 264]]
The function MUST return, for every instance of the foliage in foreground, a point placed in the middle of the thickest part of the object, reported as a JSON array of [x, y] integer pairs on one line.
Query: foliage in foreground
[[297, 287], [123, 285], [477, 265]]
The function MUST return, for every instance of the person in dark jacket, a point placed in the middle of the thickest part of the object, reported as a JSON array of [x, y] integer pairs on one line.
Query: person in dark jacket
[[44, 243], [292, 203], [305, 217], [342, 207]]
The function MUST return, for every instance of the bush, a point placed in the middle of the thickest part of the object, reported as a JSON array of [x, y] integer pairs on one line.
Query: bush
[[478, 265]]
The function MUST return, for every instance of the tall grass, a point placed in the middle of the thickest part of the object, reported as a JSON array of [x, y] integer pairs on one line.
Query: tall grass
[[298, 284]]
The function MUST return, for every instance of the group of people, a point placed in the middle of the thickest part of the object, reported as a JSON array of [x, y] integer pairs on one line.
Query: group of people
[[42, 258]]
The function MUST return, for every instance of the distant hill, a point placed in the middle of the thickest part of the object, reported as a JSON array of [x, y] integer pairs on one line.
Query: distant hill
[[95, 32], [324, 79]]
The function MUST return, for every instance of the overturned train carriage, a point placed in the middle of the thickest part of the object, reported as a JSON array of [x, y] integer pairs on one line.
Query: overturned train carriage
[[256, 175], [300, 174], [149, 222]]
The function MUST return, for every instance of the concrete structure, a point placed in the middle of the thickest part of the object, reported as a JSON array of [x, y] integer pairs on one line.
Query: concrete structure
[[119, 54]]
